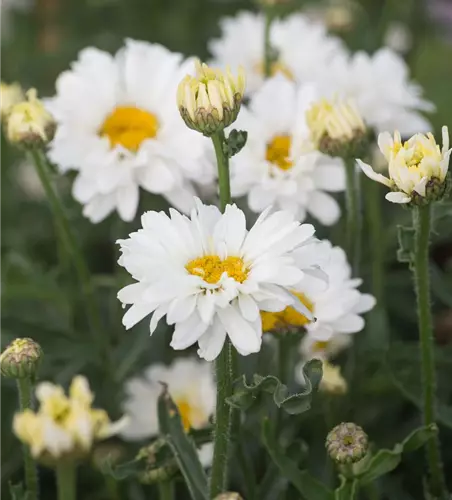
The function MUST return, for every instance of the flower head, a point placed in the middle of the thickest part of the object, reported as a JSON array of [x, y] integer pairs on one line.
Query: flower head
[[21, 359], [64, 426], [211, 100], [332, 380], [10, 94], [347, 443], [119, 129], [278, 166], [336, 127], [192, 388], [417, 167], [210, 276], [29, 124]]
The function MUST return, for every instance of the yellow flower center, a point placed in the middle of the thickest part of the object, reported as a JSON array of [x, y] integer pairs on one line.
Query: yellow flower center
[[211, 267], [129, 126], [287, 318], [320, 345], [278, 150], [191, 416], [275, 68]]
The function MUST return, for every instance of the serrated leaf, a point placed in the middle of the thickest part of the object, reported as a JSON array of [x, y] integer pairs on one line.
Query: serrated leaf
[[245, 394], [347, 490], [385, 461], [302, 480], [405, 237], [182, 446], [235, 142]]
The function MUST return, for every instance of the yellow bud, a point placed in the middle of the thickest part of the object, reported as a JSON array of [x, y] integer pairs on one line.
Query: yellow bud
[[211, 100], [332, 379], [9, 96], [29, 124]]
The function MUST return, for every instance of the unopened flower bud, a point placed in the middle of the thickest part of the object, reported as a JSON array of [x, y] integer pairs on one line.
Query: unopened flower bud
[[21, 359], [29, 124], [337, 128], [332, 380], [347, 443], [210, 101], [228, 495], [9, 96]]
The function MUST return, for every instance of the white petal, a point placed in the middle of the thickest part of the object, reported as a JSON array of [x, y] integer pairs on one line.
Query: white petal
[[242, 334], [324, 208], [420, 186], [366, 303], [136, 313], [131, 293], [351, 323], [369, 171], [188, 332], [156, 317], [248, 307], [385, 143], [180, 309], [398, 197], [206, 306], [211, 343], [127, 200]]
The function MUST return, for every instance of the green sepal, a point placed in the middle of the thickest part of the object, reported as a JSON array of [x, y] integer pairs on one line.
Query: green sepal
[[405, 237], [182, 446], [235, 142], [245, 395], [302, 480], [385, 461]]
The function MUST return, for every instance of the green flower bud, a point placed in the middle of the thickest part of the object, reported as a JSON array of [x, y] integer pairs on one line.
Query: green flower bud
[[21, 359], [347, 443]]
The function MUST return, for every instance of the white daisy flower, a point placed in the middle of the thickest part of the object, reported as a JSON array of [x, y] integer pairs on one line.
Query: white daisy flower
[[242, 43], [192, 388], [380, 86], [278, 165], [210, 276], [119, 126], [337, 307]]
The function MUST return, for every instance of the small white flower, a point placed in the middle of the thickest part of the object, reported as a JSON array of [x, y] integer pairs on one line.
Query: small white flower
[[191, 386], [380, 86], [278, 165], [242, 43], [417, 167], [210, 276], [119, 127]]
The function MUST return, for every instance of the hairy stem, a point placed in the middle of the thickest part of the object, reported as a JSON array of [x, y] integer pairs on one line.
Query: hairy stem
[[421, 222], [166, 490], [353, 214]]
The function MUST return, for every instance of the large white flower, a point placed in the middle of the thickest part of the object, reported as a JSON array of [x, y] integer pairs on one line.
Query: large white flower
[[192, 388], [380, 86], [337, 307], [210, 276], [304, 48], [277, 165], [119, 126]]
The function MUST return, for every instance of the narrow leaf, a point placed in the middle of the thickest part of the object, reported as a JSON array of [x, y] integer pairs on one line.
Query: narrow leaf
[[122, 471], [304, 482], [245, 395], [235, 142], [182, 446]]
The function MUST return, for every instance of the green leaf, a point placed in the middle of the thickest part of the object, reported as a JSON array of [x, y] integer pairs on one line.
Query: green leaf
[[18, 492], [405, 237], [245, 395], [347, 490], [385, 461], [122, 471], [304, 482], [182, 446], [235, 142]]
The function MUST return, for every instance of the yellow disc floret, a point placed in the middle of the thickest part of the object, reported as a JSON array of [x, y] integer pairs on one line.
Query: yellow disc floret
[[210, 268], [278, 152], [289, 318]]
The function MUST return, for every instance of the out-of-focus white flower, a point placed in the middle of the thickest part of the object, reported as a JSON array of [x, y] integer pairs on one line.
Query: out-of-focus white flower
[[398, 37], [417, 167], [337, 307], [29, 181], [10, 94], [380, 86], [210, 276], [211, 100], [242, 43], [64, 426], [29, 124], [119, 126], [278, 164], [191, 386]]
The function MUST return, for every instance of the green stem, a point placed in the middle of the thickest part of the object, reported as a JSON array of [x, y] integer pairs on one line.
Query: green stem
[[66, 480], [421, 223], [353, 214], [31, 472], [70, 244], [267, 44], [166, 490], [226, 363]]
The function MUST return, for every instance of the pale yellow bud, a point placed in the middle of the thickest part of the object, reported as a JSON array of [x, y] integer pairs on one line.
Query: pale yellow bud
[[332, 380], [211, 100], [336, 127], [9, 96], [29, 124]]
